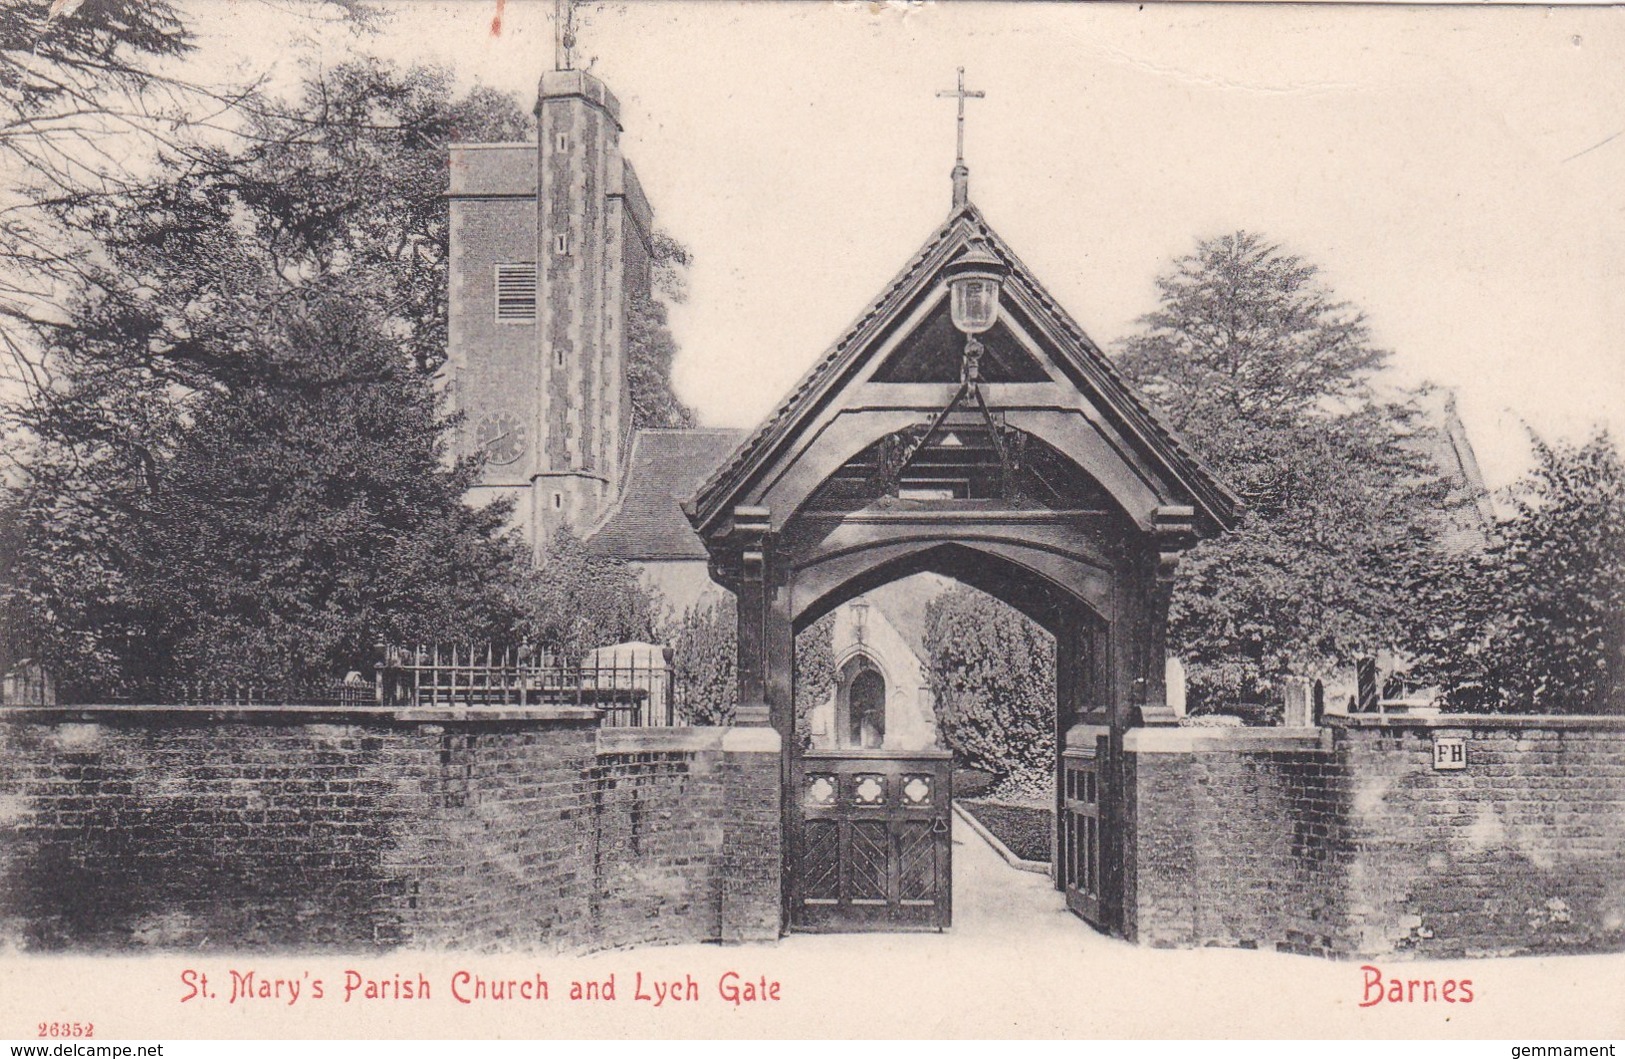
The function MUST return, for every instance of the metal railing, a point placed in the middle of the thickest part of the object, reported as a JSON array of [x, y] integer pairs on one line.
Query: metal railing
[[631, 685], [631, 688], [220, 692]]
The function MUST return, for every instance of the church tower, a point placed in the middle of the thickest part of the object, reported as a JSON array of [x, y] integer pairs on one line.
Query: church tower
[[549, 241]]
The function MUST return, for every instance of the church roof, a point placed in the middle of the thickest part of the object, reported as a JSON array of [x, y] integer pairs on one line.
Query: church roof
[[965, 223], [666, 467], [1467, 522], [904, 602]]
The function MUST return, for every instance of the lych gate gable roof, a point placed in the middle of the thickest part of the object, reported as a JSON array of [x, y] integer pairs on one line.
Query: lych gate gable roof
[[1088, 367]]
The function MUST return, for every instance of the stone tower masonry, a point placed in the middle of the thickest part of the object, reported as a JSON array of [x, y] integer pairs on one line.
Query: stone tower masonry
[[549, 240]]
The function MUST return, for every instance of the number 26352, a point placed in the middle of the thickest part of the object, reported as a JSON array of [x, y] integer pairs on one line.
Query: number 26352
[[67, 1029]]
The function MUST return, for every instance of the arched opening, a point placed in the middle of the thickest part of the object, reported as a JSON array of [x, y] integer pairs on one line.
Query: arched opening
[[977, 665], [974, 499], [863, 691], [1031, 551]]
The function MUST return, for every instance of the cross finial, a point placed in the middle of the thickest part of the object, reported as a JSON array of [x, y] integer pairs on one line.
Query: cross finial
[[961, 174], [961, 93]]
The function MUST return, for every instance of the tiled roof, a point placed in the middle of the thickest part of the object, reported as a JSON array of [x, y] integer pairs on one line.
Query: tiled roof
[[1136, 415], [666, 467]]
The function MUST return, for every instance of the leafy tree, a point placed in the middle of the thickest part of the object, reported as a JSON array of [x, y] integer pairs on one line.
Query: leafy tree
[[299, 519], [1536, 623], [650, 345], [64, 592], [346, 186], [92, 94], [191, 271], [69, 83], [703, 642], [308, 517], [227, 305], [1267, 376], [815, 672], [992, 673], [576, 600]]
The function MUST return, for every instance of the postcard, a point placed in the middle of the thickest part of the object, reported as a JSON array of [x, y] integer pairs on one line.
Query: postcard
[[532, 520]]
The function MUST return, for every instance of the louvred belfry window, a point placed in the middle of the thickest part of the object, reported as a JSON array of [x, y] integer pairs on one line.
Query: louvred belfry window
[[516, 293]]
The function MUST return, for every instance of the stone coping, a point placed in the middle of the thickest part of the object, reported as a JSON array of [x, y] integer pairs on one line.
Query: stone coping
[[150, 714], [1172, 740], [754, 739], [1476, 720], [879, 753], [1083, 736], [560, 83]]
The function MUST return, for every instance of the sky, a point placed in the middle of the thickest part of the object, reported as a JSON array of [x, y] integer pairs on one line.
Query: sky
[[1458, 173]]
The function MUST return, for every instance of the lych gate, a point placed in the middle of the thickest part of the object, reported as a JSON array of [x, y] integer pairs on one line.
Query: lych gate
[[965, 425]]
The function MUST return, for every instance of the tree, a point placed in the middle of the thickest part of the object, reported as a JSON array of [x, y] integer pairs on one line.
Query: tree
[[193, 267], [703, 641], [345, 184], [69, 83], [1267, 376], [815, 673], [1536, 624], [64, 594], [306, 518], [226, 306], [650, 345], [299, 519], [992, 673], [575, 601], [91, 97]]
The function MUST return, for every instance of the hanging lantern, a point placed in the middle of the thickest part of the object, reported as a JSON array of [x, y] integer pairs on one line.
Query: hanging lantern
[[974, 279]]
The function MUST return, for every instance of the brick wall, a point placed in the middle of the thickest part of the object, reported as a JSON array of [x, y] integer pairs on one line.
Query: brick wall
[[535, 830], [358, 829], [495, 857], [493, 221], [1346, 842], [1521, 852]]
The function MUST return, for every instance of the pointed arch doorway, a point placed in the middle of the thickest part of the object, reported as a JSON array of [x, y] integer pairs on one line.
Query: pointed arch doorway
[[860, 704], [1026, 470], [868, 827]]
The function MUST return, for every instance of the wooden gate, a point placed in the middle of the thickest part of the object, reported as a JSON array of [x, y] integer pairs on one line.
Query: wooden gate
[[870, 849], [1079, 828]]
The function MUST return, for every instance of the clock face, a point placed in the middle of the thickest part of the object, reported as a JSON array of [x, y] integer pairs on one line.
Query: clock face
[[501, 438]]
